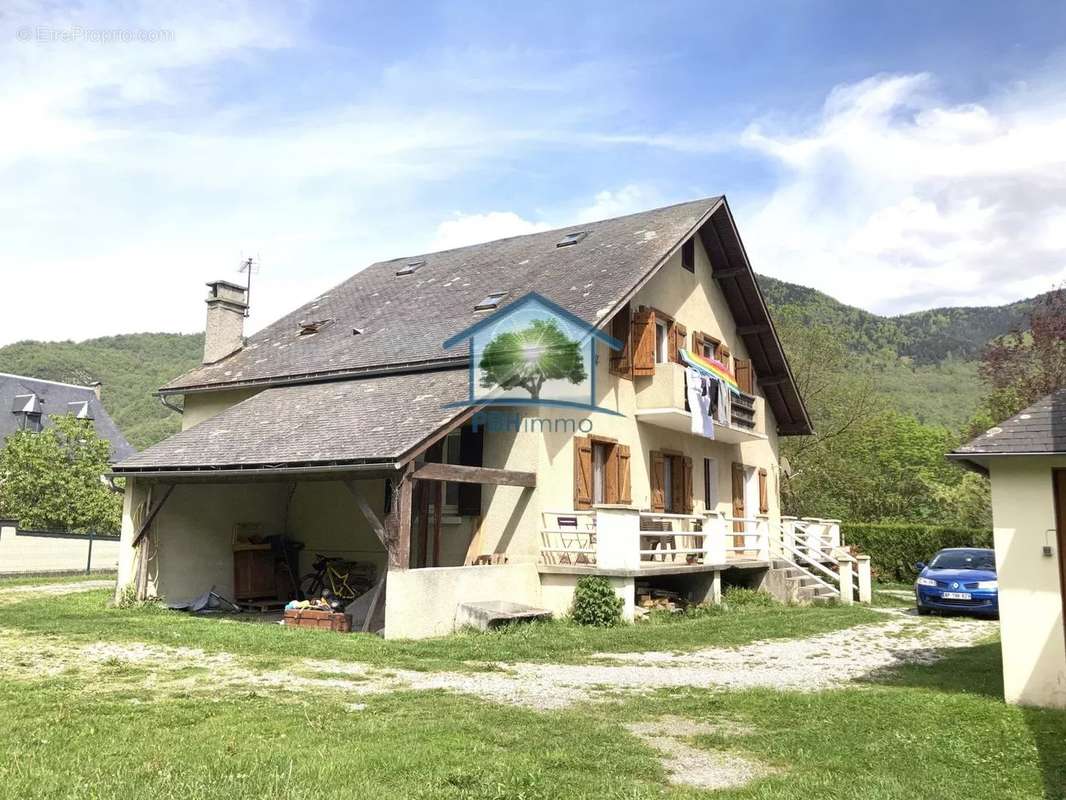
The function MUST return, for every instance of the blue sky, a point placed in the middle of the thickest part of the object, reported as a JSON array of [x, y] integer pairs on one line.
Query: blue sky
[[895, 155]]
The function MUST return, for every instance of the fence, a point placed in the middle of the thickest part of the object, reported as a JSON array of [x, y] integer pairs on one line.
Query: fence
[[25, 552]]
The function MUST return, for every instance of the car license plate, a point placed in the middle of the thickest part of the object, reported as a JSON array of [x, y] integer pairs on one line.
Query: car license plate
[[956, 596]]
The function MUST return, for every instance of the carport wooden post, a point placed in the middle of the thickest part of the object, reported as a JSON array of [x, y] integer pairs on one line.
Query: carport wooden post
[[395, 533]]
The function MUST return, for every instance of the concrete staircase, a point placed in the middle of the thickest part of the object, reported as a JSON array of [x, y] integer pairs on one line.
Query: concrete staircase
[[792, 584]]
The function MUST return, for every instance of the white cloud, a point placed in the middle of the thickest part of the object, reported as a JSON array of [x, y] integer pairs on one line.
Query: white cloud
[[627, 200], [466, 229], [894, 199]]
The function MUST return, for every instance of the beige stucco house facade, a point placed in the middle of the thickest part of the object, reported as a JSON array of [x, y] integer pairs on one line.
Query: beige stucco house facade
[[343, 426], [1025, 458]]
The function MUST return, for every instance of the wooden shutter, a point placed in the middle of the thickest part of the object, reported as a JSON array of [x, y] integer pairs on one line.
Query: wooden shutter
[[686, 481], [722, 353], [738, 500], [625, 492], [610, 472], [621, 329], [677, 485], [744, 374], [582, 472], [643, 343], [764, 493], [707, 484], [658, 501], [679, 340], [471, 454]]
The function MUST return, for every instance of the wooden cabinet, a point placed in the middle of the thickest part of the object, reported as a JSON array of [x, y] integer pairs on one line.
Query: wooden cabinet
[[253, 572]]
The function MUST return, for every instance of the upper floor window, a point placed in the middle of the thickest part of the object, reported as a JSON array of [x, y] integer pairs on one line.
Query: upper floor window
[[688, 255], [31, 422], [662, 341]]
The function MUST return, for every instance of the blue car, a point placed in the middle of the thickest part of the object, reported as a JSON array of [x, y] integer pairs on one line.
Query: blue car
[[959, 579]]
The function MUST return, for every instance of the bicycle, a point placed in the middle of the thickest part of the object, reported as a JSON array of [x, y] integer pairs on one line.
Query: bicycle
[[343, 579]]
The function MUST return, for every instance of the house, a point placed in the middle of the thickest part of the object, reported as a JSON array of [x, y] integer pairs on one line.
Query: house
[[1025, 458], [28, 403], [350, 425]]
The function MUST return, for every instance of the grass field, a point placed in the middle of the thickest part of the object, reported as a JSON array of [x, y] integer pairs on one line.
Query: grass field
[[916, 731]]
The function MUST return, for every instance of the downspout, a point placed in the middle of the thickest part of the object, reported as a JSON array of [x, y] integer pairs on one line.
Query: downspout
[[167, 404]]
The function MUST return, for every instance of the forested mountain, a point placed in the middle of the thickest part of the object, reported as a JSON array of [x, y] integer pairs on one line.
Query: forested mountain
[[131, 368], [924, 363]]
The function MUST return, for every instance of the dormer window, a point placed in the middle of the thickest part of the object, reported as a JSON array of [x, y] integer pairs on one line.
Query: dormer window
[[31, 422], [27, 407], [572, 238], [490, 302], [80, 409], [313, 326], [410, 267]]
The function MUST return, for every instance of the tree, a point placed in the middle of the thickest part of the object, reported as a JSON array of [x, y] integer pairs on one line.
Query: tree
[[1023, 366], [527, 358], [53, 479]]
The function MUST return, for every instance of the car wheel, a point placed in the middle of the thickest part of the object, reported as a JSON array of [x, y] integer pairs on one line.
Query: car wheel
[[924, 612]]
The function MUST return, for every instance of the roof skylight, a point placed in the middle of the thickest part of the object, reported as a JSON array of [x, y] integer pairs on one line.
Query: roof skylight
[[410, 267], [490, 302], [313, 326], [571, 238]]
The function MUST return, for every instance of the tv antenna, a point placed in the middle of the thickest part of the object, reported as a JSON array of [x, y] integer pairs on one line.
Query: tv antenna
[[248, 265]]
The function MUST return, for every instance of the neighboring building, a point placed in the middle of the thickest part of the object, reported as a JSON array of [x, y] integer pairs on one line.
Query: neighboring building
[[1025, 457], [27, 404], [338, 426]]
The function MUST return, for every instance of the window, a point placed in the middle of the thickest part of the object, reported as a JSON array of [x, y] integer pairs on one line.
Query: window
[[662, 341], [671, 483], [410, 267], [688, 255], [451, 455], [31, 422], [710, 484], [571, 239], [312, 327], [490, 302], [668, 485], [599, 472]]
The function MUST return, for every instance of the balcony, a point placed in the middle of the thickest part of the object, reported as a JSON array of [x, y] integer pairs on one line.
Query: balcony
[[661, 401]]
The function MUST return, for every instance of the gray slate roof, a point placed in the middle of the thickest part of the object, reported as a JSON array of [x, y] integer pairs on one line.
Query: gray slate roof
[[405, 319], [368, 420], [1039, 429], [55, 399]]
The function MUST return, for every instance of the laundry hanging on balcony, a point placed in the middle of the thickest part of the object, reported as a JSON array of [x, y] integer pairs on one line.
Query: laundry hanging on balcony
[[713, 367], [708, 401]]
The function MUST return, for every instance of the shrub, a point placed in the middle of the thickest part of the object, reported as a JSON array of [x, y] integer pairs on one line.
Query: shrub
[[740, 597], [595, 602], [894, 548]]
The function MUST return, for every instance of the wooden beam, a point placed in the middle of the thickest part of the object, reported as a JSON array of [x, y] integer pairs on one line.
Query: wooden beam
[[398, 522], [729, 272], [749, 330], [772, 380], [438, 507], [460, 474], [141, 531], [371, 518]]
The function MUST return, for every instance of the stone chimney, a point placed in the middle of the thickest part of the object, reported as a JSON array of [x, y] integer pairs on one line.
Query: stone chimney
[[97, 388], [227, 304]]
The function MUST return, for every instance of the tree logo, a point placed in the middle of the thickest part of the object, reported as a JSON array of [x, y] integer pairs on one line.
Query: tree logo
[[533, 352]]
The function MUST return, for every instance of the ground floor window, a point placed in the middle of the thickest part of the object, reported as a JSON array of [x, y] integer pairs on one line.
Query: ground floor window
[[601, 472]]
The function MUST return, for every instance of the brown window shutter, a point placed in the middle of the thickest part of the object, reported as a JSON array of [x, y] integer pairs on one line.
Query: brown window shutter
[[764, 493], [697, 342], [625, 492], [643, 343], [658, 501], [621, 329], [707, 484], [686, 468], [680, 340], [723, 354], [582, 472], [744, 375], [738, 498], [610, 475], [677, 485]]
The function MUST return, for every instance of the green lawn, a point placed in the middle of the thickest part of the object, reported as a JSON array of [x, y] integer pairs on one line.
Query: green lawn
[[85, 617], [936, 731]]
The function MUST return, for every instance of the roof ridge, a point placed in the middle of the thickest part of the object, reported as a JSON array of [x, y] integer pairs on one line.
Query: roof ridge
[[45, 380]]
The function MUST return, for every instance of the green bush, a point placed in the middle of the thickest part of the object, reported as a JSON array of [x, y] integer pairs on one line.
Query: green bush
[[740, 597], [595, 602], [894, 548]]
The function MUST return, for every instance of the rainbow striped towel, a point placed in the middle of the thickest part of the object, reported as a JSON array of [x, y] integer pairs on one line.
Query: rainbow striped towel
[[716, 368]]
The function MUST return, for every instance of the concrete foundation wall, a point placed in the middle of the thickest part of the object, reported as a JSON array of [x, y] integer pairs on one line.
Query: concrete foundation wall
[[1030, 593], [24, 552], [422, 602], [557, 593]]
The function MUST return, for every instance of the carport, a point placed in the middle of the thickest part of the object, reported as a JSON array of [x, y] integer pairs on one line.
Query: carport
[[349, 469]]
